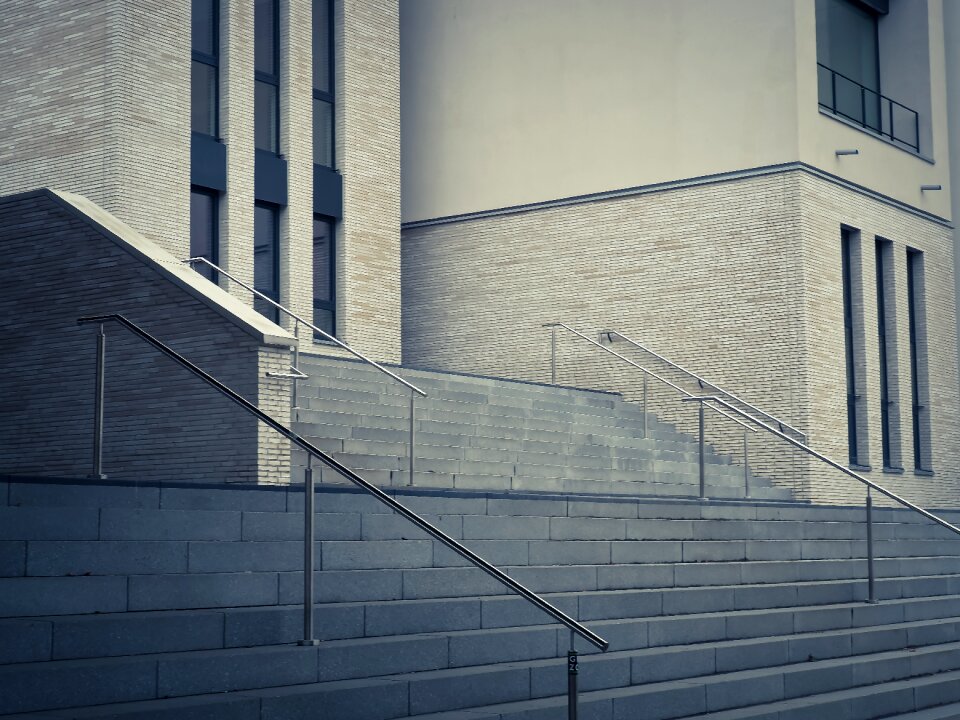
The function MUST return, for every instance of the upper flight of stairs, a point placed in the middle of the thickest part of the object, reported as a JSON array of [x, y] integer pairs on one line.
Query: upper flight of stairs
[[482, 433], [173, 602]]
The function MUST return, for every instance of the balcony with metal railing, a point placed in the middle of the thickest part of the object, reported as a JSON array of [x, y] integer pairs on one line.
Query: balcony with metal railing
[[846, 98]]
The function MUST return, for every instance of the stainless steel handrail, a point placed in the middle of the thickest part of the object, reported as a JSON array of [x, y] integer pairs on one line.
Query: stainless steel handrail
[[652, 374], [703, 382], [463, 551], [326, 335], [871, 595]]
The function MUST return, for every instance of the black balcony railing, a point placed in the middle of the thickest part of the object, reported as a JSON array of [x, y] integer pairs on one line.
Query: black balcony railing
[[868, 108]]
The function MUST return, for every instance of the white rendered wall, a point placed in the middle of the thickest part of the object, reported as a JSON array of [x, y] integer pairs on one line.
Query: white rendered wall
[[509, 102], [506, 103]]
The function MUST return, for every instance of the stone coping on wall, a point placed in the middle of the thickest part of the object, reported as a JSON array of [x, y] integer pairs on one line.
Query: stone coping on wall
[[168, 266]]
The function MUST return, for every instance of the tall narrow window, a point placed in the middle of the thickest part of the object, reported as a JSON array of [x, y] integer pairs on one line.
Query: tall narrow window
[[266, 258], [853, 343], [323, 83], [919, 378], [205, 67], [203, 229], [266, 98], [324, 297], [887, 347]]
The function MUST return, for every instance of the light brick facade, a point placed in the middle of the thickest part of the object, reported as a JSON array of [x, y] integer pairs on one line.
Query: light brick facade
[[736, 280]]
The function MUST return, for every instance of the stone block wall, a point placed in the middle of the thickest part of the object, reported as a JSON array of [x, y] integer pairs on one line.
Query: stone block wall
[[161, 423], [738, 281]]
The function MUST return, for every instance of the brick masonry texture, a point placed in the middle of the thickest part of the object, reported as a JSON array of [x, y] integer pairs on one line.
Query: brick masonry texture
[[161, 423], [96, 101], [739, 281]]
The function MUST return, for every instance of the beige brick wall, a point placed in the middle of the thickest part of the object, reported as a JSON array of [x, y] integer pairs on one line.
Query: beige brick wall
[[738, 281], [84, 112], [161, 423], [367, 51]]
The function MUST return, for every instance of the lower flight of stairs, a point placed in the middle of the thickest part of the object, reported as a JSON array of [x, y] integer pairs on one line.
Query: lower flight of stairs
[[484, 433], [179, 602]]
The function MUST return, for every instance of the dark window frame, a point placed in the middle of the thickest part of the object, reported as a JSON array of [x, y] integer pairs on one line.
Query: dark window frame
[[850, 249], [214, 62], [883, 248], [214, 257], [327, 96], [272, 78], [275, 210], [921, 436], [331, 304]]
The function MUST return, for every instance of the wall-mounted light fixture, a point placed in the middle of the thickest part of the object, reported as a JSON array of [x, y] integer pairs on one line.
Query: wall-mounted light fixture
[[924, 188], [851, 151]]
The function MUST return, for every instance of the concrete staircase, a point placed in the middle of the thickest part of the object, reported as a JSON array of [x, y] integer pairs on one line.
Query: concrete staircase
[[176, 602], [482, 433], [180, 600]]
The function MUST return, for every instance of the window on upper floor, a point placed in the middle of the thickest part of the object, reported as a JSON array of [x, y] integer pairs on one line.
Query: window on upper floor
[[205, 68], [266, 51], [865, 74], [324, 275], [266, 257], [323, 83], [203, 229]]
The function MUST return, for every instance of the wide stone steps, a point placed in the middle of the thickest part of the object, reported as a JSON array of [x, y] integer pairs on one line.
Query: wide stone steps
[[486, 433], [782, 667]]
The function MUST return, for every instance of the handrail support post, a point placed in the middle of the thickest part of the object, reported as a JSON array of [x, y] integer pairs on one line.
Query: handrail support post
[[871, 589], [553, 355], [294, 400], [308, 545], [97, 470], [644, 406], [413, 431], [572, 672], [746, 464], [703, 469]]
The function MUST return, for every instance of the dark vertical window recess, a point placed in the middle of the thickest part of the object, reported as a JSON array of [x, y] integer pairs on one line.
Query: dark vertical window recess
[[203, 229], [918, 361], [887, 353], [324, 276], [266, 97], [266, 258], [849, 245], [323, 136], [205, 67], [847, 43]]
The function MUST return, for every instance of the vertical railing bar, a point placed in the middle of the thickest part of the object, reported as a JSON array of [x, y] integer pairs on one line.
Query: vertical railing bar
[[97, 471], [294, 398], [645, 434], [833, 90], [746, 465], [553, 355], [703, 479], [572, 672], [308, 547], [871, 594], [413, 424]]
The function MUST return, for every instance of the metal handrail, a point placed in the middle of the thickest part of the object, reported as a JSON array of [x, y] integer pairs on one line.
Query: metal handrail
[[702, 381], [682, 391], [834, 464], [313, 451], [324, 333], [871, 594]]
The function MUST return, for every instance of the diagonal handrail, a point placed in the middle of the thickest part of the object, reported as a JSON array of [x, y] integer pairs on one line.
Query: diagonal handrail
[[462, 550], [610, 334], [834, 464], [682, 391], [327, 336]]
